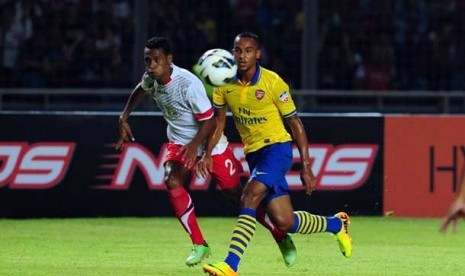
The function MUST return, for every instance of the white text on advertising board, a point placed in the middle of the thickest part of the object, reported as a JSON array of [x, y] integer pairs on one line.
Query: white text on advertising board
[[341, 167]]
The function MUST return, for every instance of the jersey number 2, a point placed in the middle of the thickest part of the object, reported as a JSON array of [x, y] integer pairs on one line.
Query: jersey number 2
[[229, 164]]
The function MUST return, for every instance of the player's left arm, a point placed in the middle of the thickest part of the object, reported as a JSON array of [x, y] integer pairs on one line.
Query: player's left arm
[[300, 138], [283, 101]]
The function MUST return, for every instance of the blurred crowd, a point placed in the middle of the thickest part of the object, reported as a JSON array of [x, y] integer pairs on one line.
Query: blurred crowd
[[363, 44], [198, 25], [392, 45], [65, 43]]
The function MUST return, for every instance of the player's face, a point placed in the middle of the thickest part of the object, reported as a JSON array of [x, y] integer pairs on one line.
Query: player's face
[[246, 53], [157, 64]]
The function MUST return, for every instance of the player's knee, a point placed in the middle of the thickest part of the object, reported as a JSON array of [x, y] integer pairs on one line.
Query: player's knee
[[172, 183], [253, 194], [249, 200], [284, 225], [171, 186]]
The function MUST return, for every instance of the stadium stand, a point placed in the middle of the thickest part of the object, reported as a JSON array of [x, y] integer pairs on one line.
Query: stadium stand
[[373, 55]]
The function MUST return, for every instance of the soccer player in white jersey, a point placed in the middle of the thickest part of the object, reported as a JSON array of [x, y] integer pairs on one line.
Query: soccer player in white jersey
[[181, 97]]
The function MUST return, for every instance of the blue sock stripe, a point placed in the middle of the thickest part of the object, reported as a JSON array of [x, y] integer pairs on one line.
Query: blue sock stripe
[[247, 224], [296, 224], [324, 224], [314, 224], [237, 248], [321, 223], [247, 218], [307, 225], [248, 211], [233, 260], [243, 235], [249, 231], [239, 240], [304, 224], [334, 224], [300, 219]]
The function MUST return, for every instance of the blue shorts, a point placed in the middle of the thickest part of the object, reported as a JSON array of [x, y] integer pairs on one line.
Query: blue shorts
[[269, 165]]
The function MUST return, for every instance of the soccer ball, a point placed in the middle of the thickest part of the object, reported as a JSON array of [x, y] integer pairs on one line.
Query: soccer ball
[[217, 67]]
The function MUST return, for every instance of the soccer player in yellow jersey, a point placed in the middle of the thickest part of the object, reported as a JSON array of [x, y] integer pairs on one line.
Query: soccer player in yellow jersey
[[260, 103]]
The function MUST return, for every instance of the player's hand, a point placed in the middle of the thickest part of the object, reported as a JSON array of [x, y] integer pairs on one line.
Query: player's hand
[[456, 212], [188, 154], [125, 135], [308, 180], [204, 166]]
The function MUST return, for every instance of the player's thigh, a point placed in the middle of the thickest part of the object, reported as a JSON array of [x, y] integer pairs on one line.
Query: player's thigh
[[281, 212], [175, 174]]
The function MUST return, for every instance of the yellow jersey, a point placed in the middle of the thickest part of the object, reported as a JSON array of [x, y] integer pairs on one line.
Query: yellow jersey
[[258, 108]]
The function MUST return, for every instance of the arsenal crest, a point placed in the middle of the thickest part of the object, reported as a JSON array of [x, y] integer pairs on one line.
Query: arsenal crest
[[259, 94]]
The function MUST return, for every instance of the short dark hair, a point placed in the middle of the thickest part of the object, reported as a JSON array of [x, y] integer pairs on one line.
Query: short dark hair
[[159, 42], [251, 35]]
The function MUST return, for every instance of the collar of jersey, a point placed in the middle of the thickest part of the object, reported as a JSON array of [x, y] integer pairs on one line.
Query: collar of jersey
[[171, 77], [256, 76]]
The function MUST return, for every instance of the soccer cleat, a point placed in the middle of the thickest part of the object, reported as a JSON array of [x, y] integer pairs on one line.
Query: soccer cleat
[[198, 253], [219, 269], [288, 250], [342, 237]]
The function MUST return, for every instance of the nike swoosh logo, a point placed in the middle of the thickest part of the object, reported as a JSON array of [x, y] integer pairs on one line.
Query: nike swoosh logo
[[261, 173], [229, 91]]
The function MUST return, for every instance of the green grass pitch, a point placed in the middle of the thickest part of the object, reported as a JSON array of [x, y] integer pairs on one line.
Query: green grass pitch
[[159, 246]]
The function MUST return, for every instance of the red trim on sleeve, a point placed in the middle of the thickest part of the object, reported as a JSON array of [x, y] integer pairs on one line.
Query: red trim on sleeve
[[166, 82], [204, 116]]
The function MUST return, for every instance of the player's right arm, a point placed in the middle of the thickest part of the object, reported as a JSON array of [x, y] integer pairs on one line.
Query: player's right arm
[[205, 166], [220, 122], [125, 132]]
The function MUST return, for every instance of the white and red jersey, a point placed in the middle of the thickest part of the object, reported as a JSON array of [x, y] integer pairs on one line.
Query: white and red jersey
[[184, 103]]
